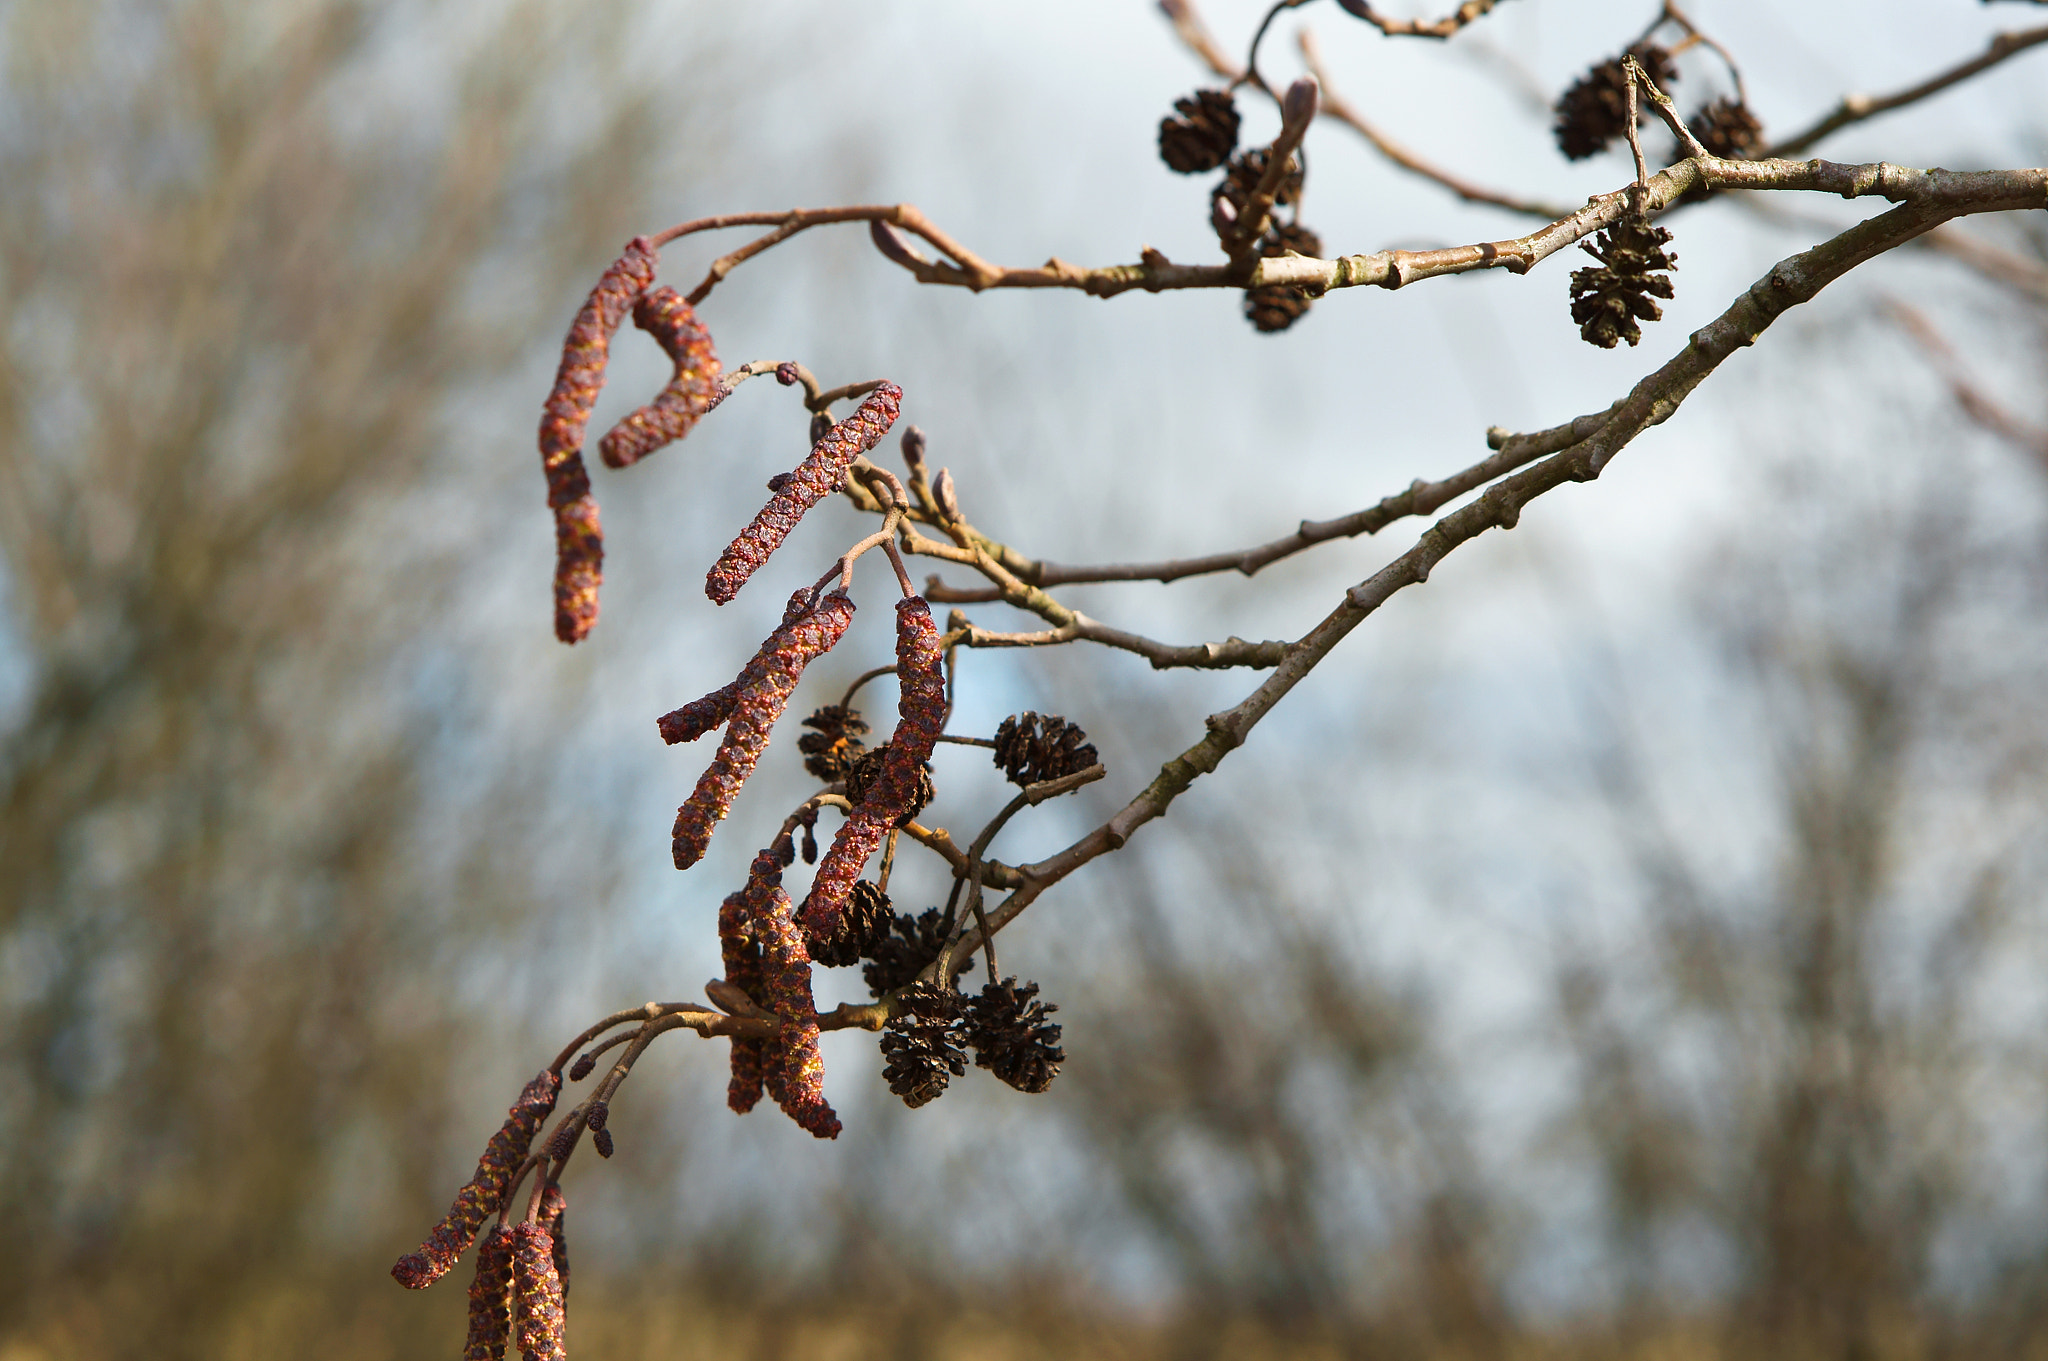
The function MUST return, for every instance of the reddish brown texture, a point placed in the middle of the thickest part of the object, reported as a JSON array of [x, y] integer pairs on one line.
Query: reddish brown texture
[[554, 1217], [699, 716], [663, 314], [490, 1299], [538, 1315], [579, 568], [579, 545], [485, 1191], [764, 690], [816, 478], [795, 1070], [743, 970], [920, 716]]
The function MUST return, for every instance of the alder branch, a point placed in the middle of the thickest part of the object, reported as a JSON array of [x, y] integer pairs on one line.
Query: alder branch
[[991, 559], [1856, 108], [1337, 107], [1996, 189], [1419, 498], [1419, 28], [1791, 282]]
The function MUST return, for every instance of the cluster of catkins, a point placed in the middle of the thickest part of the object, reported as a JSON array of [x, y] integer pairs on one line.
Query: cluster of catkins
[[1202, 136], [522, 1267], [1610, 299], [694, 390]]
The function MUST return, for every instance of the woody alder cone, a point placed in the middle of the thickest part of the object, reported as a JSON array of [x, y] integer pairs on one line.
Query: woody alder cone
[[1609, 300], [1032, 748], [1594, 111], [1275, 307], [1727, 129], [863, 928], [1012, 1037], [1204, 135], [921, 1045], [831, 749]]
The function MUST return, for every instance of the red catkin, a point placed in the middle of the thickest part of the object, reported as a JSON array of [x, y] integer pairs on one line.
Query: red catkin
[[554, 1217], [579, 542], [742, 951], [663, 314], [793, 1068], [538, 1317], [764, 690], [485, 1191], [920, 716], [490, 1299], [700, 716], [816, 478]]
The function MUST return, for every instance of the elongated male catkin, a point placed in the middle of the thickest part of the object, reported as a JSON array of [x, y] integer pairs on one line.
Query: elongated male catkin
[[663, 314], [490, 1299], [764, 690], [539, 1318], [795, 1070], [816, 478], [579, 542], [485, 1191], [920, 716], [742, 950], [701, 715]]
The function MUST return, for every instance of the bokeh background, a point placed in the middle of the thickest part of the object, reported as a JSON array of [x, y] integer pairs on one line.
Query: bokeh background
[[1629, 944]]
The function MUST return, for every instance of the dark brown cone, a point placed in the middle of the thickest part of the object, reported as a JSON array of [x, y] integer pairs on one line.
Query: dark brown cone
[[863, 927], [1275, 307], [1204, 135], [1594, 111], [862, 772], [831, 749], [1032, 748], [1727, 128], [1246, 169], [921, 1043], [1012, 1037], [1608, 301], [903, 946]]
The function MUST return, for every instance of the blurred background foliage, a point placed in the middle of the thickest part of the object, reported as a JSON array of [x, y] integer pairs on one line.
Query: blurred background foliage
[[1603, 961]]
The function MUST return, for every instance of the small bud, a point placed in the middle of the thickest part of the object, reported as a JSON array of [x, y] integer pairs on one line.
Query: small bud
[[892, 244], [562, 1143], [942, 492], [1222, 214], [1300, 102], [596, 1116], [821, 425], [603, 1140], [779, 481], [582, 1068], [810, 845], [785, 373], [1357, 9], [913, 450]]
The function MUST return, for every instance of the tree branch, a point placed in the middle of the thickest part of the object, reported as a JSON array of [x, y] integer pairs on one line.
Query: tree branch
[[1856, 108]]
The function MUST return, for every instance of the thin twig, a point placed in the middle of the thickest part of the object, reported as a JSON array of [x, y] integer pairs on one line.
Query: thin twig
[[1856, 108], [1335, 106]]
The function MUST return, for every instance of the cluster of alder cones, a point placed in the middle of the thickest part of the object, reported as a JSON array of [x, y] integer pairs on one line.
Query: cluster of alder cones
[[1609, 300], [1202, 136]]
